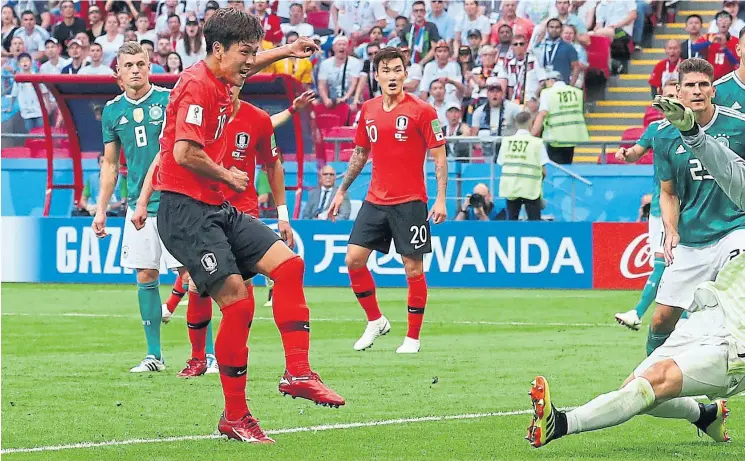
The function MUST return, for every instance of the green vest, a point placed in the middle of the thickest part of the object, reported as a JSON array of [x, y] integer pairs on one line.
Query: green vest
[[522, 172], [564, 125]]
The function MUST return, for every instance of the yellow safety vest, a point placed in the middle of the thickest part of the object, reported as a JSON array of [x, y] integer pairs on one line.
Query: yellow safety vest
[[522, 172], [564, 125]]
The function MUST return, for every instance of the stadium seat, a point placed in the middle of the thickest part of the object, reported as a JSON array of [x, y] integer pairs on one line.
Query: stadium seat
[[340, 110], [16, 152], [327, 121], [598, 55], [318, 19], [651, 115], [631, 135], [647, 159], [345, 154]]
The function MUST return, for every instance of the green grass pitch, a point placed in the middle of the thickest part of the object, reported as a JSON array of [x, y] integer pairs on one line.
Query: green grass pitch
[[65, 380]]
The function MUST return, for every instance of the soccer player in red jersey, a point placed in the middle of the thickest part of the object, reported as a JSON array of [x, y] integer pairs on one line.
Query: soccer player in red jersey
[[220, 246], [396, 129]]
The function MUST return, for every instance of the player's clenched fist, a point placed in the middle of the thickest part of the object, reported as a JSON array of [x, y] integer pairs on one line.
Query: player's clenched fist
[[285, 231], [439, 212], [335, 205], [621, 154], [99, 224], [238, 180], [139, 216]]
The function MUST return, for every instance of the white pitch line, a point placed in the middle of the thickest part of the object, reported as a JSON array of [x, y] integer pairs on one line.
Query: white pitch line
[[340, 320], [293, 430]]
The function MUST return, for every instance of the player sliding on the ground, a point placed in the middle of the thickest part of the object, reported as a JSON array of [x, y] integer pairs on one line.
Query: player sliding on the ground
[[701, 355], [133, 121], [396, 129], [220, 246], [632, 318]]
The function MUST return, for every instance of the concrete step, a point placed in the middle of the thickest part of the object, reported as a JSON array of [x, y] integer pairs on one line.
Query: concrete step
[[608, 128], [627, 116]]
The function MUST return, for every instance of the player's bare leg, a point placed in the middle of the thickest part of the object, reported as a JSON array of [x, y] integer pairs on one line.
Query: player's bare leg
[[292, 317], [417, 301], [663, 323], [148, 298], [655, 393], [363, 287]]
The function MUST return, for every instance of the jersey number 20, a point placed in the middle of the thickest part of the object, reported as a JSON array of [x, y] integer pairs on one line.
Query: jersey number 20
[[698, 172]]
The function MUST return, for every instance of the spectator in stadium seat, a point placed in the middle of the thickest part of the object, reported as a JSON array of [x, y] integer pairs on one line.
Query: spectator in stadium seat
[[481, 73], [143, 31], [320, 198], [614, 19], [10, 24], [296, 23], [521, 72], [118, 7], [272, 30], [76, 59], [721, 47], [149, 47], [210, 9], [376, 35], [38, 8], [125, 22], [553, 53], [422, 36], [503, 45], [496, 117], [445, 24], [54, 64], [339, 75], [509, 17], [667, 69], [174, 63], [164, 49], [85, 45], [28, 101], [191, 47], [70, 25], [96, 25], [356, 18], [91, 190], [237, 4], [448, 72], [456, 127], [466, 63], [300, 68], [536, 11], [733, 8], [470, 21], [569, 35], [167, 9], [175, 29], [566, 16], [112, 40], [32, 35], [367, 75], [475, 44], [694, 24], [97, 65], [478, 206], [438, 100], [395, 39], [413, 73]]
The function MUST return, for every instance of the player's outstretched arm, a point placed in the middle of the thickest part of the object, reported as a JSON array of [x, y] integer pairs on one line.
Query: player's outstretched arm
[[298, 104], [670, 210], [140, 214], [439, 211], [191, 156], [356, 164], [630, 155], [109, 173], [303, 47], [725, 166]]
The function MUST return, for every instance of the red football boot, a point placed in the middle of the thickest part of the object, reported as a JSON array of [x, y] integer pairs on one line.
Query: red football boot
[[245, 429], [309, 387], [194, 368]]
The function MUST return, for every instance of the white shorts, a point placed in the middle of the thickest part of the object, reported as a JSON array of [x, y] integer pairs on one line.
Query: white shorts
[[655, 237], [693, 265], [142, 249], [701, 347]]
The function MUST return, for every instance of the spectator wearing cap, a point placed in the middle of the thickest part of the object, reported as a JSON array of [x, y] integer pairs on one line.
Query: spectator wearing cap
[[667, 69], [453, 127], [445, 70], [553, 53], [733, 8], [445, 24], [339, 75], [422, 36], [74, 51], [28, 102], [356, 18], [112, 40], [509, 17], [97, 65], [413, 72], [192, 47], [33, 36], [721, 47], [694, 24], [143, 31], [523, 159], [296, 23], [521, 72], [54, 64], [475, 43], [70, 25], [502, 42], [496, 117], [471, 20], [95, 23], [561, 118], [272, 30]]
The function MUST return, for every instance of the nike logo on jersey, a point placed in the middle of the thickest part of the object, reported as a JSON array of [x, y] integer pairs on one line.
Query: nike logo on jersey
[[736, 106], [123, 121], [368, 121], [680, 150], [223, 109], [416, 247]]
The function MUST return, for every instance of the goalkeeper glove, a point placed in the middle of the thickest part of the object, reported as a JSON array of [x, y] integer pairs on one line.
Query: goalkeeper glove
[[679, 116]]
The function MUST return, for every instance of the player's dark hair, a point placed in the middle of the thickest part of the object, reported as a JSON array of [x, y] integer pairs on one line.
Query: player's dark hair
[[229, 26], [695, 66], [388, 54], [694, 16]]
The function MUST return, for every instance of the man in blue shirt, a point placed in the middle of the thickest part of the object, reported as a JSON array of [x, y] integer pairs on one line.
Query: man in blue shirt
[[553, 53], [440, 18]]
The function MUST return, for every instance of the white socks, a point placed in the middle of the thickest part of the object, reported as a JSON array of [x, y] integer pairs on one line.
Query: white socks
[[680, 408], [613, 408]]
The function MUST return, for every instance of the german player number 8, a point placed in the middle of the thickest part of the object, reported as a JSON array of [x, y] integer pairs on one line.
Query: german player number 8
[[140, 136], [419, 235]]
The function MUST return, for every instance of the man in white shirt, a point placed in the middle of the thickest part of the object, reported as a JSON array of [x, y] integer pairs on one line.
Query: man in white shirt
[[439, 101], [97, 66], [54, 64], [339, 75], [170, 7], [143, 30], [612, 16], [499, 119], [472, 19], [320, 198], [357, 17], [33, 36], [521, 72], [296, 24], [445, 70]]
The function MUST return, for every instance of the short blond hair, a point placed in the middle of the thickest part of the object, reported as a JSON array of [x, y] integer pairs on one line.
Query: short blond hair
[[131, 48]]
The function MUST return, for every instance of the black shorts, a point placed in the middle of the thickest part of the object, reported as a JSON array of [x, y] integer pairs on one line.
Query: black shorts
[[212, 241], [406, 224]]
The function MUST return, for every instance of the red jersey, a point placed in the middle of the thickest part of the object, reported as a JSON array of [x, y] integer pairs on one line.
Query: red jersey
[[250, 138], [664, 71], [197, 111], [718, 59], [399, 140]]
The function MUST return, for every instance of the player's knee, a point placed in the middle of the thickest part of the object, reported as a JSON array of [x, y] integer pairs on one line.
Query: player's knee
[[666, 379], [229, 291], [147, 276], [414, 267], [293, 268], [354, 261]]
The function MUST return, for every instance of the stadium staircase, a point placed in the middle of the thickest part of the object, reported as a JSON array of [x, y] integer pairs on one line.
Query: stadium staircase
[[625, 98]]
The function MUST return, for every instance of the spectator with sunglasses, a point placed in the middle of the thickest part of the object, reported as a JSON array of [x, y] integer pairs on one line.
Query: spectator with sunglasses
[[445, 24]]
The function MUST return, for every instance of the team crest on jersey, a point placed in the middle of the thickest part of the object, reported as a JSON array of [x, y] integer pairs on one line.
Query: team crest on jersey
[[156, 112], [209, 262], [242, 139], [402, 122], [138, 115], [722, 139]]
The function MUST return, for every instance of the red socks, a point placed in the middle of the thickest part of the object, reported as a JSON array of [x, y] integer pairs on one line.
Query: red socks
[[291, 314], [417, 302], [363, 286], [232, 355], [198, 316], [177, 293]]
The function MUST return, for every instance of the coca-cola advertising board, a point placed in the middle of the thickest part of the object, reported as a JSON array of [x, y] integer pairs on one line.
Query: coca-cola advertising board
[[621, 255]]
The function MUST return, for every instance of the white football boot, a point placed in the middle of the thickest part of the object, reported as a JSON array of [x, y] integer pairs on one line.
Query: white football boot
[[212, 367], [149, 364], [409, 346], [629, 319], [373, 329]]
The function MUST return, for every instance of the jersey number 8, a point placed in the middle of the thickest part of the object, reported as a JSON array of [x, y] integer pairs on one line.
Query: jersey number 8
[[140, 136]]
